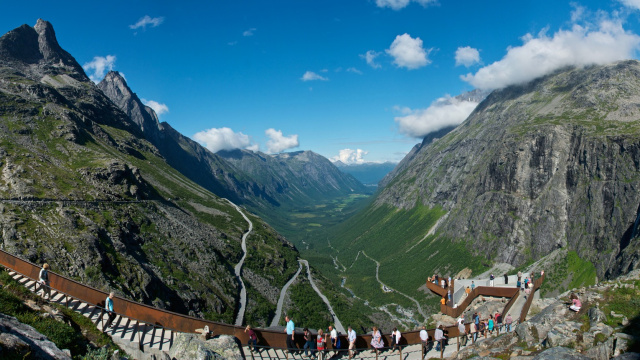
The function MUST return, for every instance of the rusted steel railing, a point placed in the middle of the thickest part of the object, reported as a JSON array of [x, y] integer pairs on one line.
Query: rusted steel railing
[[478, 291], [525, 308]]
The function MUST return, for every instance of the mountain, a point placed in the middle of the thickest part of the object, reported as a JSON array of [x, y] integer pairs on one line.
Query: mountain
[[83, 190], [367, 173], [270, 185], [551, 164]]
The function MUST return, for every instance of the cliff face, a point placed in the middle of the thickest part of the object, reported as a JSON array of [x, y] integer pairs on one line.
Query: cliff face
[[546, 165], [82, 189]]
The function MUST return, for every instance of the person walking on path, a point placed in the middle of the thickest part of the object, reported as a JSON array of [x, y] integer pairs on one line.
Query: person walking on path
[[508, 321], [376, 340], [253, 338], [320, 342], [473, 285], [439, 338], [290, 330], [519, 275], [463, 332], [474, 332], [491, 277], [108, 304], [43, 279], [424, 339], [308, 342], [333, 335], [395, 339], [351, 337]]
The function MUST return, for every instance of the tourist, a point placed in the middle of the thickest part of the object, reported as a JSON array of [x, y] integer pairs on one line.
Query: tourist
[[43, 279], [519, 276], [506, 279], [320, 341], [499, 321], [108, 304], [527, 291], [467, 290], [291, 333], [333, 335], [473, 285], [518, 284], [308, 343], [439, 338], [424, 339], [351, 337], [474, 331], [482, 328], [395, 339], [449, 294], [508, 321], [376, 340], [449, 281], [462, 330], [490, 324], [491, 277], [435, 279], [443, 301], [443, 282], [576, 304], [526, 282], [253, 338]]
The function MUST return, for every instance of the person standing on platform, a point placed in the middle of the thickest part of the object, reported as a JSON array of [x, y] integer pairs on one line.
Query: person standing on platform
[[424, 339], [351, 336], [291, 331], [43, 279]]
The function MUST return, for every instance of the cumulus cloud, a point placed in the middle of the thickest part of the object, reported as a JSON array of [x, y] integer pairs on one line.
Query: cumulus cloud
[[156, 106], [249, 32], [370, 57], [350, 156], [446, 111], [408, 52], [147, 20], [467, 56], [634, 4], [400, 4], [310, 76], [354, 70], [224, 139], [278, 142], [543, 54], [97, 68]]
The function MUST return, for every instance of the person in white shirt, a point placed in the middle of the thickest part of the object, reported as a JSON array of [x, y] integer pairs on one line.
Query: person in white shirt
[[334, 339], [439, 338], [424, 338], [351, 336], [395, 339], [43, 279], [463, 332]]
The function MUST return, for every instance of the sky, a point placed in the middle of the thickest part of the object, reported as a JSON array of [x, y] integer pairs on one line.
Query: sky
[[355, 80]]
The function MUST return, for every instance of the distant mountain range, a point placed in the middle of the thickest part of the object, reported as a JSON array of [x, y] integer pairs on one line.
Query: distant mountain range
[[368, 173]]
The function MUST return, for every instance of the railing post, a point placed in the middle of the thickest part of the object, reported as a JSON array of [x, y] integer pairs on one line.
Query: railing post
[[458, 342], [400, 348], [441, 349]]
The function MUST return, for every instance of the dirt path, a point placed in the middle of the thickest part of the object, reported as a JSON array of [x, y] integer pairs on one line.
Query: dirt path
[[238, 268]]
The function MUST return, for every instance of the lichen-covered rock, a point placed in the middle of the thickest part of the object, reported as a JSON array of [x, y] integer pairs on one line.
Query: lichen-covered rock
[[602, 351], [596, 316], [190, 346], [563, 334], [560, 353], [19, 339]]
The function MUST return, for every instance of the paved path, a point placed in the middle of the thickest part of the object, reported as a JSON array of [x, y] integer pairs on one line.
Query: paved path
[[336, 321], [238, 268], [283, 292], [424, 316]]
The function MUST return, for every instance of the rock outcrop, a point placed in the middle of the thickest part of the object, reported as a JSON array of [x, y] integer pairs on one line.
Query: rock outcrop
[[189, 346], [18, 340]]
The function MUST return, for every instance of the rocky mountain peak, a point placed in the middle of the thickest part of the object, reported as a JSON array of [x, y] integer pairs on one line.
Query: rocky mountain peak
[[115, 87], [36, 51]]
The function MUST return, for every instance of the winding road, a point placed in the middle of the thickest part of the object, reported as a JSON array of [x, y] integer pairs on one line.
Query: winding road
[[389, 287], [283, 292], [336, 321], [238, 268]]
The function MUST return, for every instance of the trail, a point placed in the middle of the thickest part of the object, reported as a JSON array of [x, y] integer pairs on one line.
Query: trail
[[336, 321], [389, 287], [238, 268], [283, 292]]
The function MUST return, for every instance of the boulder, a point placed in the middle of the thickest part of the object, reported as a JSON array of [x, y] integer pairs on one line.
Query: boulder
[[17, 338], [596, 316], [602, 351], [563, 334], [190, 346], [596, 334], [622, 343], [628, 356], [560, 353]]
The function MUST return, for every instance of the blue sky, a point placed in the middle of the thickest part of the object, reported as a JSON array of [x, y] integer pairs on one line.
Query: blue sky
[[293, 75]]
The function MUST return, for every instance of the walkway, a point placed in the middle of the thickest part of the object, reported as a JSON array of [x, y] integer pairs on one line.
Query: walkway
[[336, 321], [238, 268], [283, 292]]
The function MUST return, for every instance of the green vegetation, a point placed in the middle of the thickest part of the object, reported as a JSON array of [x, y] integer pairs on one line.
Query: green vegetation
[[307, 309], [75, 336], [571, 272]]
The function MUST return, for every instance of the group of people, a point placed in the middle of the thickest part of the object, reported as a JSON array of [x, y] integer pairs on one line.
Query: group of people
[[438, 280]]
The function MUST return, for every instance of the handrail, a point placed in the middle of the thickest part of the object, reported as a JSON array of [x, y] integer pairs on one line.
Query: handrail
[[525, 308], [476, 292]]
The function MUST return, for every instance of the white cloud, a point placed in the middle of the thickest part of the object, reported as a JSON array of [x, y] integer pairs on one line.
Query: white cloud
[[349, 156], [408, 52], [370, 57], [635, 4], [249, 32], [399, 4], [310, 76], [543, 54], [97, 68], [446, 111], [467, 56], [147, 20], [354, 70], [224, 139], [156, 106], [278, 143]]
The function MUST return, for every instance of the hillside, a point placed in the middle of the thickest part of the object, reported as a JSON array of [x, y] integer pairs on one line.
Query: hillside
[[83, 190], [552, 164], [367, 173]]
